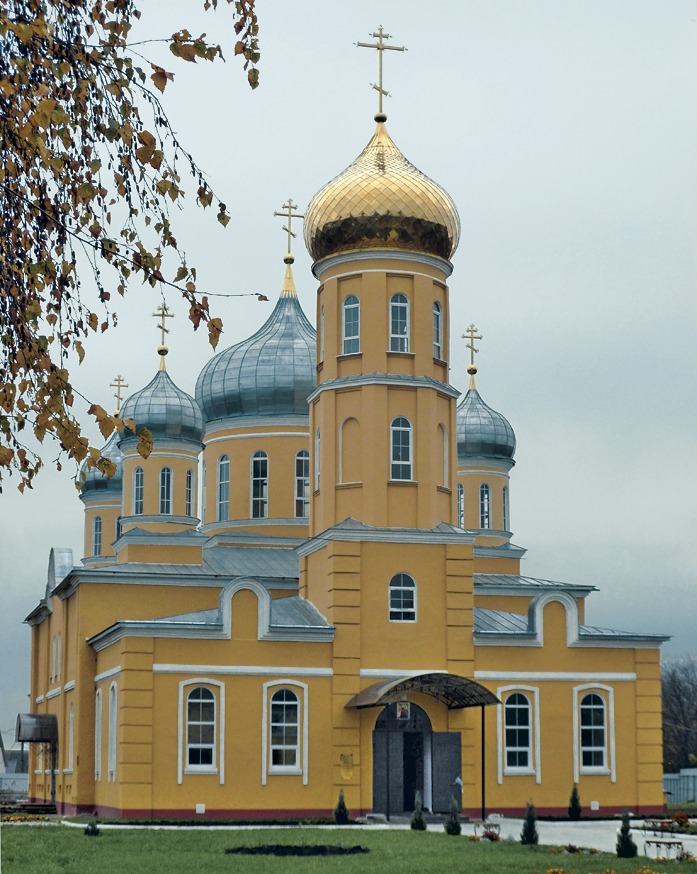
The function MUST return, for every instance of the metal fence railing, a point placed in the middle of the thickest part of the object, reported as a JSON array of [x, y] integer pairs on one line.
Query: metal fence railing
[[681, 788]]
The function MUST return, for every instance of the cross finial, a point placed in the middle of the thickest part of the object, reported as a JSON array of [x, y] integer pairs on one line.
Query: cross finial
[[381, 36], [289, 215], [118, 383], [472, 335], [162, 313]]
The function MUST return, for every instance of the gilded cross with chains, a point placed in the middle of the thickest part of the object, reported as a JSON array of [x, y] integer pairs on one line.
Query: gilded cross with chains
[[162, 313], [472, 335], [381, 36], [289, 215], [118, 383]]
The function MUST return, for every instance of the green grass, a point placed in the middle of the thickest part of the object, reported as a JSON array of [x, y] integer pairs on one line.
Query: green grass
[[50, 849]]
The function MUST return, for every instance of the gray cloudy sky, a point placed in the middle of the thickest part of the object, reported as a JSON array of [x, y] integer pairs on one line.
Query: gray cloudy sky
[[566, 134]]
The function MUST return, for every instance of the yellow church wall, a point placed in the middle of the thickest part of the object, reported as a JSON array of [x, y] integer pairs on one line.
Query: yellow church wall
[[491, 565], [108, 512], [497, 480], [160, 554], [179, 456]]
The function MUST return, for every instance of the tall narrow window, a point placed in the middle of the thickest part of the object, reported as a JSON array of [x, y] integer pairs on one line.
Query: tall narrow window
[[200, 728], [351, 325], [399, 323], [302, 484], [71, 736], [460, 505], [166, 491], [111, 738], [317, 448], [437, 331], [203, 493], [443, 433], [59, 655], [138, 491], [97, 535], [484, 506], [321, 334], [260, 485], [402, 598], [285, 730], [401, 449], [506, 519], [98, 735], [593, 732], [223, 488], [189, 494], [518, 731]]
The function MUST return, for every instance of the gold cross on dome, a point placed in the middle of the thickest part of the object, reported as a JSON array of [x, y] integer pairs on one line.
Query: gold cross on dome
[[118, 383], [162, 313], [381, 36], [472, 335], [289, 215]]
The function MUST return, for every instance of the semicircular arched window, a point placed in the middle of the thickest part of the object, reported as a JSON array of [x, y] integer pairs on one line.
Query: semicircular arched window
[[200, 728], [223, 504], [351, 325], [401, 449], [285, 730], [518, 731], [260, 485], [166, 491], [402, 598], [399, 323]]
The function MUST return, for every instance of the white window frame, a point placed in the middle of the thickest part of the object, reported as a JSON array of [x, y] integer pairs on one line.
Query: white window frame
[[166, 490], [59, 655], [446, 456], [460, 505], [397, 428], [71, 739], [400, 312], [198, 767], [485, 506], [113, 730], [189, 506], [97, 535], [395, 586], [321, 334], [203, 492], [138, 491], [606, 693], [98, 735], [266, 768], [437, 331], [350, 342], [294, 749], [317, 458], [535, 768], [506, 510], [259, 506], [222, 502], [219, 764], [302, 485]]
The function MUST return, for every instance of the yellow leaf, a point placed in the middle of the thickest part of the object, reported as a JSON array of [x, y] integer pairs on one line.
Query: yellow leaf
[[144, 442]]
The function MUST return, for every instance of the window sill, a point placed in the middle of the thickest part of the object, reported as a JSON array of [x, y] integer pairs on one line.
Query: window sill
[[352, 485], [280, 771], [441, 361], [205, 769], [601, 771], [68, 771], [444, 489], [346, 355], [402, 482], [396, 353], [519, 772], [403, 621]]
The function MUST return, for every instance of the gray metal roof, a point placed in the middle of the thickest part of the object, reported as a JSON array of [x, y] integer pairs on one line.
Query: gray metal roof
[[95, 480], [253, 561], [290, 612], [165, 409], [270, 374], [512, 581], [482, 431], [500, 621]]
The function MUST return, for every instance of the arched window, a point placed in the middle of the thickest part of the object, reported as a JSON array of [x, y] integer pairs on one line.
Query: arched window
[[593, 731], [444, 448], [302, 484], [399, 323], [59, 655], [317, 448], [203, 492], [460, 505], [200, 728], [437, 331], [260, 485], [138, 491], [98, 735], [71, 736], [402, 598], [97, 535], [484, 506], [166, 491], [506, 515], [189, 494], [351, 325], [401, 449], [223, 505], [111, 738], [321, 334], [285, 730], [518, 734]]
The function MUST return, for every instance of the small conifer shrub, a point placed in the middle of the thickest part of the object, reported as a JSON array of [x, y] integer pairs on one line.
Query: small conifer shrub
[[574, 804], [452, 823], [626, 848], [529, 833], [92, 830], [418, 823], [341, 814]]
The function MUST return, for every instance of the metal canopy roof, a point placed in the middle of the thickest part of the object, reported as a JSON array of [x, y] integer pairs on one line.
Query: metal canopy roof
[[453, 691], [36, 727]]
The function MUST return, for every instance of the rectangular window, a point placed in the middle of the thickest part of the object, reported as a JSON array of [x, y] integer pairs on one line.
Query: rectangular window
[[260, 485], [138, 491], [302, 485], [97, 535], [166, 491]]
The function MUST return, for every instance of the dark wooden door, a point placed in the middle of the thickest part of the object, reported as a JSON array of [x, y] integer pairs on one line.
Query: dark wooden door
[[447, 767]]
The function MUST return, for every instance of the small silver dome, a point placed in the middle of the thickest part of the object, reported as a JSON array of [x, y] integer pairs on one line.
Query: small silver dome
[[270, 374], [164, 409], [482, 431], [95, 480]]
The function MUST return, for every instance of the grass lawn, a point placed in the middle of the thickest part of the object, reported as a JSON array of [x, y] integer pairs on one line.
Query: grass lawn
[[48, 849]]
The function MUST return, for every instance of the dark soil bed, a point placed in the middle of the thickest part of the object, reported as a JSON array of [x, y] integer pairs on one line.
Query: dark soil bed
[[297, 850]]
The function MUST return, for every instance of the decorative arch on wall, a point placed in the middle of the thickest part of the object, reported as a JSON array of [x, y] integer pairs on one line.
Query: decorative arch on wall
[[350, 451], [536, 620], [264, 605]]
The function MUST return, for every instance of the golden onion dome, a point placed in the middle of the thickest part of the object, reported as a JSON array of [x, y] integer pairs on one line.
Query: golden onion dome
[[381, 201]]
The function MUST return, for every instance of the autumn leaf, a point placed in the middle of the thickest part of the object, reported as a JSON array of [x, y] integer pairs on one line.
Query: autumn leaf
[[144, 443]]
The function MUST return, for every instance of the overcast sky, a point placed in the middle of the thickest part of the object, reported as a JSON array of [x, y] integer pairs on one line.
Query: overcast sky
[[566, 133]]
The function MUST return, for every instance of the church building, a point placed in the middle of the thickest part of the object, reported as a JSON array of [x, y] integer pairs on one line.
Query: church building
[[310, 584]]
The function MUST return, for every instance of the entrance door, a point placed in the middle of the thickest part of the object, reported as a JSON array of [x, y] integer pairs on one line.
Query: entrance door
[[401, 744], [447, 768]]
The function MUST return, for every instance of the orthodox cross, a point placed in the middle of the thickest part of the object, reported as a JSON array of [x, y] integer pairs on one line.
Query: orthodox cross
[[289, 215], [380, 35], [472, 335], [162, 313], [118, 383]]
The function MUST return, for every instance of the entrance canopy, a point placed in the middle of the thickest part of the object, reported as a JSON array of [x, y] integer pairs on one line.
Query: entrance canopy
[[453, 691], [37, 727]]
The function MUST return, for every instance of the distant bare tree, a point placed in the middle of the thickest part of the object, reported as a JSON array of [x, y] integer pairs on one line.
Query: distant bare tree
[[679, 681]]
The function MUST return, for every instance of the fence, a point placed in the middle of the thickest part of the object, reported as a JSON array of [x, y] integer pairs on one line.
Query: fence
[[681, 788]]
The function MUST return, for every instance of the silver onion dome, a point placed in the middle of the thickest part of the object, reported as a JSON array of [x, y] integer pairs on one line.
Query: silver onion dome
[[482, 431], [270, 374], [94, 480], [164, 409]]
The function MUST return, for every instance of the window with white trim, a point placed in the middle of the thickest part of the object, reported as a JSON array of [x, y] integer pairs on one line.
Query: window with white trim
[[166, 491], [399, 323], [445, 449], [223, 503], [437, 331], [200, 729], [111, 738], [97, 535], [59, 655], [460, 505], [203, 492], [284, 746], [317, 466], [484, 506], [518, 732], [98, 735], [593, 721], [402, 598], [138, 486], [401, 449], [54, 658], [189, 494], [506, 520], [71, 736], [351, 325], [321, 335], [302, 484], [260, 485]]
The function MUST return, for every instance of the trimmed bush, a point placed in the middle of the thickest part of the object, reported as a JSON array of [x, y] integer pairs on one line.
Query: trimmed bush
[[92, 830], [529, 834], [574, 804], [452, 823], [626, 848], [418, 823], [341, 814]]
